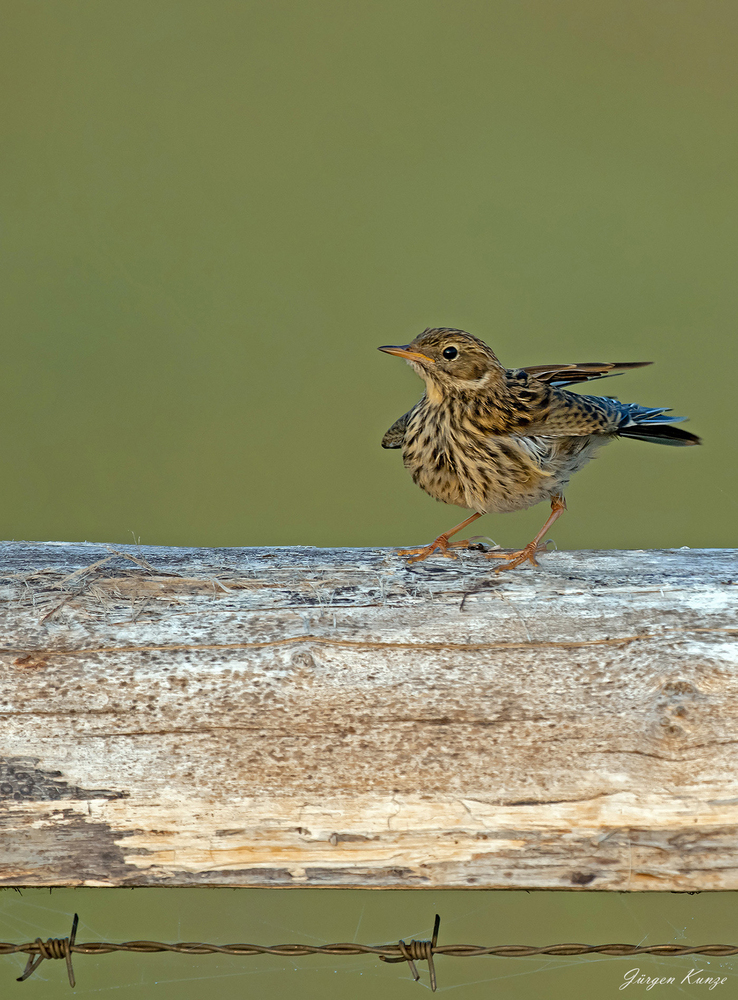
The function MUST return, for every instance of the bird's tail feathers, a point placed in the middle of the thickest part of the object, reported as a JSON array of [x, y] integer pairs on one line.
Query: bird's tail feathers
[[649, 424]]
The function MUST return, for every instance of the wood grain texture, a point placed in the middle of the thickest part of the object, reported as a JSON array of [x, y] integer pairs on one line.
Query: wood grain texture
[[335, 717]]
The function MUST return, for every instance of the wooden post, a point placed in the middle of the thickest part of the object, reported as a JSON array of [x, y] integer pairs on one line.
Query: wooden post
[[335, 717]]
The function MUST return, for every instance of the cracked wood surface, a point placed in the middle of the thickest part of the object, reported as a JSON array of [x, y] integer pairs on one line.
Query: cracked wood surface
[[335, 717]]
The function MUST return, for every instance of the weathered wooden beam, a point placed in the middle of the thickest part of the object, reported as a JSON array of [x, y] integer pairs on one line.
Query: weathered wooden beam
[[335, 717]]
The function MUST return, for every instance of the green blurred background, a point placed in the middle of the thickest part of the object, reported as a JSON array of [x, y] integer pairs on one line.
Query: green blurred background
[[213, 215], [215, 212], [324, 916]]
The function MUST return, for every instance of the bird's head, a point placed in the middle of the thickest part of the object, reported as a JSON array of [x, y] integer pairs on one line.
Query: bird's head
[[450, 361]]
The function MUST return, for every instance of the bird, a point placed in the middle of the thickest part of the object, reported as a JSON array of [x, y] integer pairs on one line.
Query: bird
[[489, 438]]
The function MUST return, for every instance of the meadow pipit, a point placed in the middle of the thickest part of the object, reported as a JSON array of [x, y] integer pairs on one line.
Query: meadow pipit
[[489, 438]]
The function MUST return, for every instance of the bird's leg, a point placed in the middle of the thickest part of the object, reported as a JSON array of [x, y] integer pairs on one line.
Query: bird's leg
[[441, 543], [514, 559]]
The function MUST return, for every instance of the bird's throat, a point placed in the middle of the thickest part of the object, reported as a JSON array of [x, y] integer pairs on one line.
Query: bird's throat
[[434, 393]]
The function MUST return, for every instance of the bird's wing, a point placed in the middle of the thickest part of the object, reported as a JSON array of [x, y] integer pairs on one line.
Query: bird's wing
[[396, 434], [567, 414], [555, 413], [560, 375], [530, 407]]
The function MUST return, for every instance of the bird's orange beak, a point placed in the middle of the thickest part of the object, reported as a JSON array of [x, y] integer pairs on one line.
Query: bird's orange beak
[[404, 352]]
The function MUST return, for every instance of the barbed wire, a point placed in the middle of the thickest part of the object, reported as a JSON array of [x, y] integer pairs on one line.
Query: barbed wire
[[403, 951]]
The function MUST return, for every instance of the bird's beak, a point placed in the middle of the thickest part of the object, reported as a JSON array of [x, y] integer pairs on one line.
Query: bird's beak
[[404, 352]]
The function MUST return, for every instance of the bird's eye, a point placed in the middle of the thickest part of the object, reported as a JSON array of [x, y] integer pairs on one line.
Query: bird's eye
[[450, 353]]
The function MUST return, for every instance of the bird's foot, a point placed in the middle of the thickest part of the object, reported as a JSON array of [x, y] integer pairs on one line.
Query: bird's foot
[[515, 559], [441, 545]]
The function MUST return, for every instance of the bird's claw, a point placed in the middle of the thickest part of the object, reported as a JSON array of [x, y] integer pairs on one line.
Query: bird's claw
[[515, 559], [440, 545]]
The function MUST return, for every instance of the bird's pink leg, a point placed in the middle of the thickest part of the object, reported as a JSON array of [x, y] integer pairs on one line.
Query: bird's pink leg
[[514, 559], [441, 543]]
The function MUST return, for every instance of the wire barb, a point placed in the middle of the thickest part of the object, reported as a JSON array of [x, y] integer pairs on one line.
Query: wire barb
[[53, 948], [418, 951]]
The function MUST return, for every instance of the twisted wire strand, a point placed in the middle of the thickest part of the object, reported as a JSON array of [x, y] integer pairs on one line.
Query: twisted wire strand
[[404, 951]]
